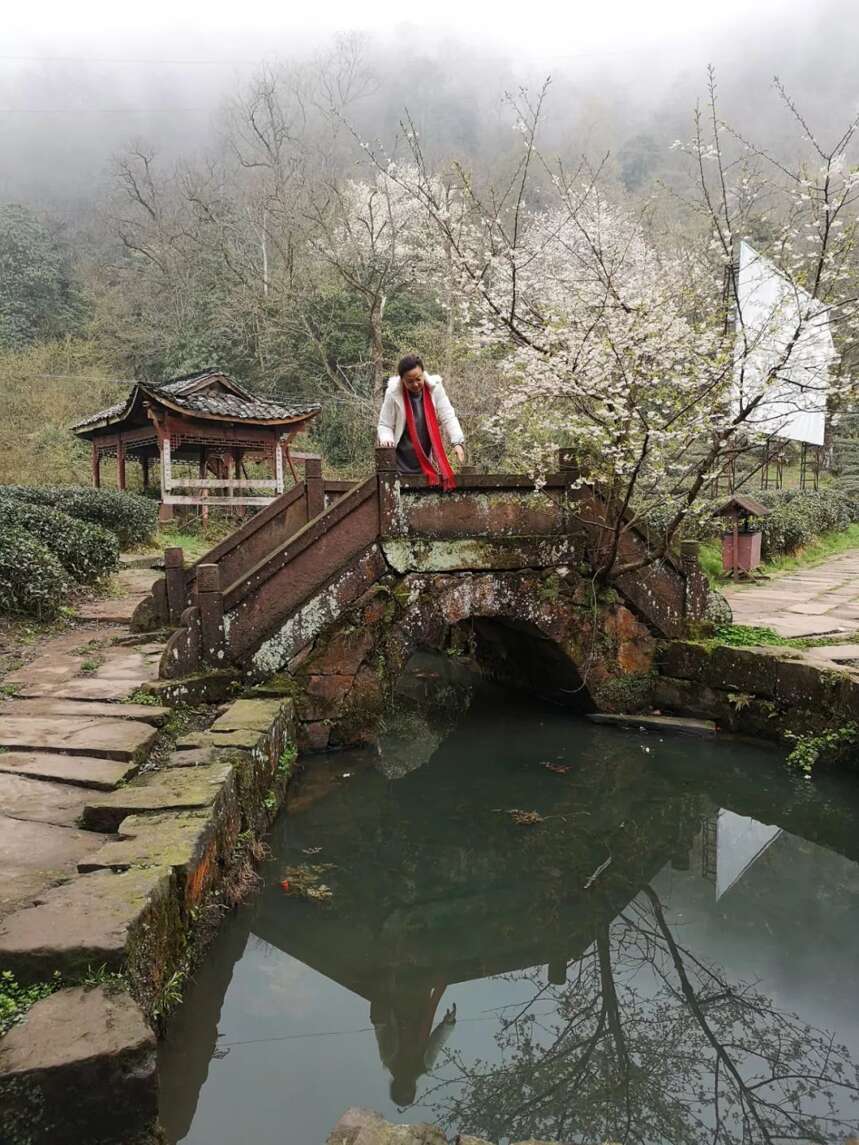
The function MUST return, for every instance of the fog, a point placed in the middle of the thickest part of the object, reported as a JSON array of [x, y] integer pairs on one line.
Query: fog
[[79, 85]]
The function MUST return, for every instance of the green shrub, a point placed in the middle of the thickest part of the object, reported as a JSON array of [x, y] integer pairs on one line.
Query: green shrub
[[32, 580], [86, 551], [131, 517], [797, 517]]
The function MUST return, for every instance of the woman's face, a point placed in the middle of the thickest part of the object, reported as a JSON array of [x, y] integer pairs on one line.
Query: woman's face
[[413, 380]]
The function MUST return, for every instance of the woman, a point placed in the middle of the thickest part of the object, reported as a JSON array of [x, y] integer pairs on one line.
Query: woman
[[415, 412]]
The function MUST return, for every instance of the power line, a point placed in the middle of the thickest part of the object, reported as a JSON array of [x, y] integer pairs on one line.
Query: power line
[[511, 57], [105, 110], [119, 60]]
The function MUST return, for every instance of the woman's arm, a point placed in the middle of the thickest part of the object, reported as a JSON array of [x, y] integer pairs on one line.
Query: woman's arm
[[387, 420], [447, 418]]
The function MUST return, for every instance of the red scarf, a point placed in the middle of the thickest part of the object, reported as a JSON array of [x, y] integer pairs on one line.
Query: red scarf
[[444, 474]]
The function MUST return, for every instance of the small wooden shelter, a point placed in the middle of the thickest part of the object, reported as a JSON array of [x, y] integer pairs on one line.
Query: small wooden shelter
[[741, 546], [207, 419]]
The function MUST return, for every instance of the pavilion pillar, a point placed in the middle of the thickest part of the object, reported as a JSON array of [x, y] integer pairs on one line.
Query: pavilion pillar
[[120, 463], [165, 512], [204, 493], [144, 462], [96, 466], [278, 465]]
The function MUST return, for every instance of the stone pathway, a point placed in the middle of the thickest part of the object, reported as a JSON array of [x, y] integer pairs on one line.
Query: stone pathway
[[818, 601], [65, 732]]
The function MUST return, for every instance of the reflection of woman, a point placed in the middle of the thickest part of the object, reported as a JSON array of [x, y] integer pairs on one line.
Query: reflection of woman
[[415, 413], [408, 1044]]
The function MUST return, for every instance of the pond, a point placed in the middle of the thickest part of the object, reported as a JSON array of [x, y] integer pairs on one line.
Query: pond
[[664, 952]]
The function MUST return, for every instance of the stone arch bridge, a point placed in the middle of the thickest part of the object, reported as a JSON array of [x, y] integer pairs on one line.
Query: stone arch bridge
[[334, 584]]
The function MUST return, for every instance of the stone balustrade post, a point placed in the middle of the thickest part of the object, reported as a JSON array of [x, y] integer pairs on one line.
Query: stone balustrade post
[[695, 594], [174, 575], [210, 601], [569, 470], [390, 517], [315, 486]]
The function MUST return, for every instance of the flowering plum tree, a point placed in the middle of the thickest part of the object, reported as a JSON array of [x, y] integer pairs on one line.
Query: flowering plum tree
[[628, 340]]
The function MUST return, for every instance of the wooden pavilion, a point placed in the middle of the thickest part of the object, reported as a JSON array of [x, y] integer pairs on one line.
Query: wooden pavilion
[[207, 419]]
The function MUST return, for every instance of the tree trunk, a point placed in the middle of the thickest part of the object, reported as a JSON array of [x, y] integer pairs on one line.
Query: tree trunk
[[377, 310]]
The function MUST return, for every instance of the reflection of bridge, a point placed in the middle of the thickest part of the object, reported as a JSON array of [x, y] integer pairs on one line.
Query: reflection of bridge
[[273, 585], [434, 888]]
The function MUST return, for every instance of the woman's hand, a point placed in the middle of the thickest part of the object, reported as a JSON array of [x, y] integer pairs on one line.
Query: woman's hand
[[460, 453]]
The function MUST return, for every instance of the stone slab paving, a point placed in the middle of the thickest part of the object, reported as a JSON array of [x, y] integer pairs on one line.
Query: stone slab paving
[[71, 1050], [34, 855], [810, 602], [173, 840], [173, 789], [134, 584], [66, 734], [39, 801], [61, 706], [81, 689], [62, 657], [839, 653], [78, 770], [103, 738], [80, 924]]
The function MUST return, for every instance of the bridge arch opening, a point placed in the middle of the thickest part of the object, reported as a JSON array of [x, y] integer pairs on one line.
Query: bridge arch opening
[[517, 654]]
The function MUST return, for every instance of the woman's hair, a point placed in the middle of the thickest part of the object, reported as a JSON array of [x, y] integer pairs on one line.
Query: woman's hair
[[409, 363]]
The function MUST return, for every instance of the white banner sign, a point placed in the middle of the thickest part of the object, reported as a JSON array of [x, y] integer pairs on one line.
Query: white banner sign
[[771, 315]]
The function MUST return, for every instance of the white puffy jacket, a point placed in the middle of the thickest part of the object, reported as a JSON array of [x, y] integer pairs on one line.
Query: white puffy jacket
[[392, 417]]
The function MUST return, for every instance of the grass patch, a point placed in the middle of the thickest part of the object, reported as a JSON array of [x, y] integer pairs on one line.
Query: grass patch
[[16, 999], [195, 539], [139, 696], [750, 636]]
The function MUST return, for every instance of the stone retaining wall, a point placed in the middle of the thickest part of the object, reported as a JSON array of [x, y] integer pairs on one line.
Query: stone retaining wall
[[80, 1068], [360, 1126], [766, 691]]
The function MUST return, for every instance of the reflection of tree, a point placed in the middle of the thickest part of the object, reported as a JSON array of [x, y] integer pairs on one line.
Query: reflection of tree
[[648, 1044]]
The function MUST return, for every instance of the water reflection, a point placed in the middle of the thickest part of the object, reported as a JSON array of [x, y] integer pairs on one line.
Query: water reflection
[[662, 959]]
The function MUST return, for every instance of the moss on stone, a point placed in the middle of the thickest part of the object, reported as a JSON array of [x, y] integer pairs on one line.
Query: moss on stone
[[624, 694]]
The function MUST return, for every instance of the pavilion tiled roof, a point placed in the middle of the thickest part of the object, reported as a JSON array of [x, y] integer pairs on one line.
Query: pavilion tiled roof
[[184, 393]]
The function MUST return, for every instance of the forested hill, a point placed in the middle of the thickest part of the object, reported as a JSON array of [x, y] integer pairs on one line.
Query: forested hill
[[157, 214]]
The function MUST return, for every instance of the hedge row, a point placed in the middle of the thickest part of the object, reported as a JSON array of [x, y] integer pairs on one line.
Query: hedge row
[[131, 517], [796, 517], [32, 580], [51, 539], [86, 551]]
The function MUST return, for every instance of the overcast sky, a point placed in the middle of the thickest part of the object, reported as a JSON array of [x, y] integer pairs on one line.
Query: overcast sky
[[79, 79], [224, 29]]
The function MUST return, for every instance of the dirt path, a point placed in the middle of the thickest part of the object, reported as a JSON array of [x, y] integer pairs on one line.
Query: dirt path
[[818, 601], [64, 731]]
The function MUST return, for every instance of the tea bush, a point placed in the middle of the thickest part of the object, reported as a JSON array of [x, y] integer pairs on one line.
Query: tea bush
[[32, 580], [86, 551], [131, 517], [797, 517]]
